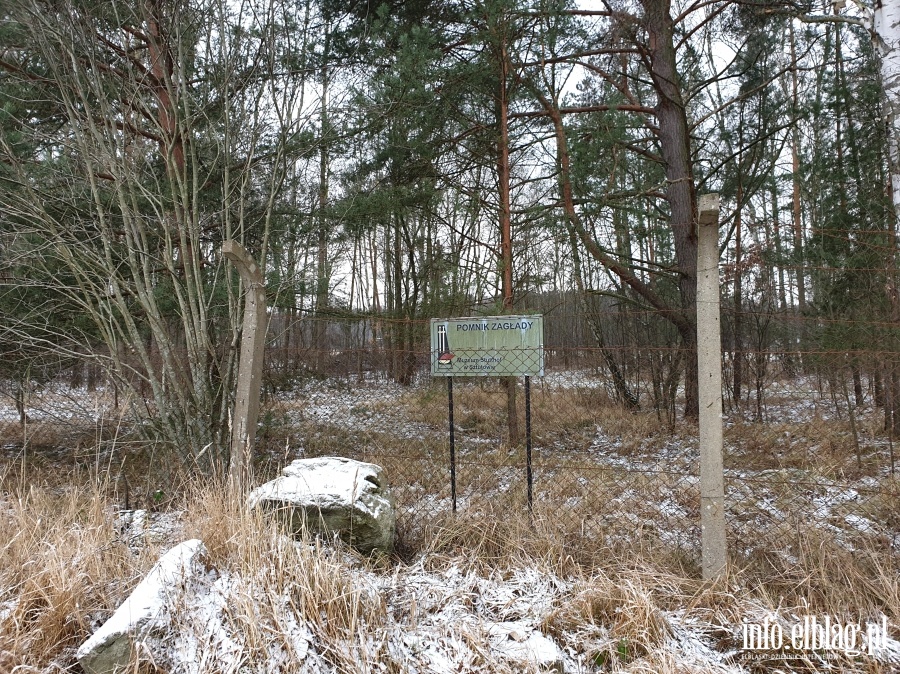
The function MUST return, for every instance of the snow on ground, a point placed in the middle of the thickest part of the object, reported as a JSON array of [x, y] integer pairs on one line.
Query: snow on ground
[[202, 637], [572, 379], [354, 407], [757, 498], [7, 607], [445, 621], [454, 620], [444, 618], [138, 527], [56, 401], [691, 640], [668, 462]]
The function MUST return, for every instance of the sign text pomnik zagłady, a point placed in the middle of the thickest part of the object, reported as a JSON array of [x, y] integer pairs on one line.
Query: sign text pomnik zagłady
[[487, 346]]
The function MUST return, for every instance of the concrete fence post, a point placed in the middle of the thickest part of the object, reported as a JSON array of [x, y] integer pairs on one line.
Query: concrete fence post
[[709, 364], [250, 365]]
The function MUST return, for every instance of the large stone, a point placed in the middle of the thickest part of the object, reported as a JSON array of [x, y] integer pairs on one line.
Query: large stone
[[330, 495], [109, 649], [521, 644]]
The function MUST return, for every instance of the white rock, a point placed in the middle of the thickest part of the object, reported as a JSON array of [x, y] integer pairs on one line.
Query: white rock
[[330, 495], [109, 647], [519, 642]]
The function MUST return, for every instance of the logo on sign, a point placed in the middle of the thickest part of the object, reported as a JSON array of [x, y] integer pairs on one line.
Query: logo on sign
[[445, 356]]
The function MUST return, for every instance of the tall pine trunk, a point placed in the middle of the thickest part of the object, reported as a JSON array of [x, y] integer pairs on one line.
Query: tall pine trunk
[[674, 137], [506, 259]]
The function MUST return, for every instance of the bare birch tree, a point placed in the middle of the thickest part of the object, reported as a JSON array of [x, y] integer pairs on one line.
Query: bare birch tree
[[169, 136]]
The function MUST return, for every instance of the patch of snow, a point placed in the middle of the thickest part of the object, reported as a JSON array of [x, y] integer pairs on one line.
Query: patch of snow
[[520, 642], [861, 524], [432, 651], [692, 647], [365, 407], [148, 600], [137, 527], [204, 637], [58, 402], [7, 608], [130, 525], [573, 379], [886, 649]]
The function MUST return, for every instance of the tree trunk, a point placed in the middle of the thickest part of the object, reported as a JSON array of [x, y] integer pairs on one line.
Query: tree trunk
[[20, 402], [857, 386], [623, 393], [738, 361], [625, 273], [320, 327], [886, 29], [895, 400], [776, 237], [877, 386], [505, 229], [795, 167], [886, 36], [674, 137]]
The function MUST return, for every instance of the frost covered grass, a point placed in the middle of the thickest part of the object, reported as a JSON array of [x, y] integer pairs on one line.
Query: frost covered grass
[[282, 602], [569, 417], [63, 564], [59, 416], [602, 577], [491, 593]]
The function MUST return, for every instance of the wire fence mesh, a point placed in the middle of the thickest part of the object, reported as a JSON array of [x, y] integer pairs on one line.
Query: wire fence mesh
[[809, 447], [809, 454]]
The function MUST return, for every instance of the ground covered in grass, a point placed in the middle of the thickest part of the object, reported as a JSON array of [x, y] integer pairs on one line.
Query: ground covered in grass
[[600, 576], [483, 596]]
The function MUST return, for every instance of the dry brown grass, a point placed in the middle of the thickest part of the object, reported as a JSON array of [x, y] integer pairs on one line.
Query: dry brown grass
[[823, 447], [626, 613], [64, 567], [61, 566], [571, 417], [569, 414], [602, 524], [300, 578]]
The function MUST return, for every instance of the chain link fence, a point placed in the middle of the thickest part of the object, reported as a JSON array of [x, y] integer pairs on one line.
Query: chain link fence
[[809, 455], [60, 418]]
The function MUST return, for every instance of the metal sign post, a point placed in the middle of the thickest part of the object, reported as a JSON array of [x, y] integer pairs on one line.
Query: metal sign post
[[452, 443], [488, 346], [528, 477]]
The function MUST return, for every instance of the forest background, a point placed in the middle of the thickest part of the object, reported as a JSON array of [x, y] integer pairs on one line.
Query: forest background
[[391, 162]]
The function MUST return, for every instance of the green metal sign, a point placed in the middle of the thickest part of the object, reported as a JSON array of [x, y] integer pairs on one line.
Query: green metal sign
[[487, 346]]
